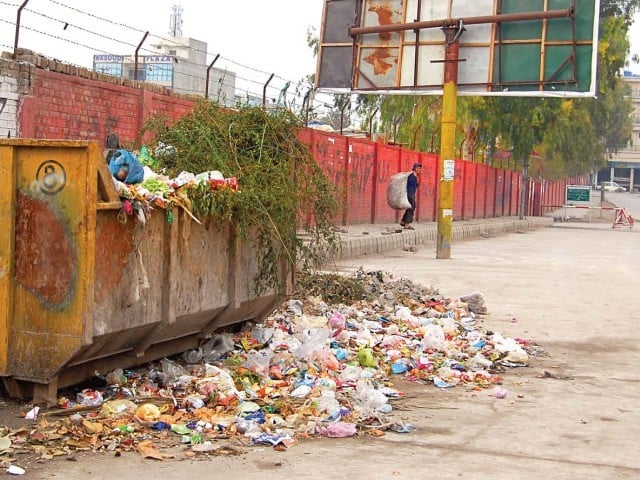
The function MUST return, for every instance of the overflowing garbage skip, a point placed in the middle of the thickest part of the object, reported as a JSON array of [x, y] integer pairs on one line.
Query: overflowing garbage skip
[[114, 260], [322, 364]]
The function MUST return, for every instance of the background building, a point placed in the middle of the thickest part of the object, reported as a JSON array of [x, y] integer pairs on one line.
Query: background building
[[178, 63], [624, 166]]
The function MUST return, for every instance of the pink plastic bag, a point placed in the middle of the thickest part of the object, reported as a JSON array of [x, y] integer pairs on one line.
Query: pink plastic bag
[[337, 320], [338, 430]]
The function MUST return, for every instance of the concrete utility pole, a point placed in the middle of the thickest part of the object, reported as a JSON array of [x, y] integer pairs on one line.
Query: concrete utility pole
[[448, 140]]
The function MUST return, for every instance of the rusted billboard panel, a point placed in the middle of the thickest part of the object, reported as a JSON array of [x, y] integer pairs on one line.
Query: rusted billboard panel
[[507, 47]]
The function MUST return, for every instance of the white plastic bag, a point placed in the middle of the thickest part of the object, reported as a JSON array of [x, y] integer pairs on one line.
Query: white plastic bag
[[397, 191], [433, 338]]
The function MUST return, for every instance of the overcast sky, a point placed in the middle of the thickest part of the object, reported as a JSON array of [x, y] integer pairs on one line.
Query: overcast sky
[[268, 35], [262, 36]]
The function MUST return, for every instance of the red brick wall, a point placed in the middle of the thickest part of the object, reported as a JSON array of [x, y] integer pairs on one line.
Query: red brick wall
[[458, 189], [63, 106]]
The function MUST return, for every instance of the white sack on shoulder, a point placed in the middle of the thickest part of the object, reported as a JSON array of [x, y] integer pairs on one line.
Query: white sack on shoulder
[[397, 191]]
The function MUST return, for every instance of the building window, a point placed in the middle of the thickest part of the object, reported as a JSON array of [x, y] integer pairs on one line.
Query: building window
[[159, 72], [141, 74], [114, 69]]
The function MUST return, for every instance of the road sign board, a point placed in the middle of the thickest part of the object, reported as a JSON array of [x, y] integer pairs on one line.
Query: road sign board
[[504, 50], [578, 195]]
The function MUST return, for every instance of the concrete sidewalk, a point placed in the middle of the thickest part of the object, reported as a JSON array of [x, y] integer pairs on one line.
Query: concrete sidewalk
[[366, 239]]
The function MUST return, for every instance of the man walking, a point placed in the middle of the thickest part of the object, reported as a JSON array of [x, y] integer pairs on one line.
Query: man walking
[[412, 188]]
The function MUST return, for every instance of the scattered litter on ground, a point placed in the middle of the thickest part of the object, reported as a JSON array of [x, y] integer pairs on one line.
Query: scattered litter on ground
[[312, 368]]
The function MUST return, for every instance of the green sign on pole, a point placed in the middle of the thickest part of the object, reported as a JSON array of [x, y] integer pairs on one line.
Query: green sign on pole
[[578, 195]]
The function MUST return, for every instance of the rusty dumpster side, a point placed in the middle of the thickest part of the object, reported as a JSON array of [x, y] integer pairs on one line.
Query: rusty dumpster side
[[84, 287]]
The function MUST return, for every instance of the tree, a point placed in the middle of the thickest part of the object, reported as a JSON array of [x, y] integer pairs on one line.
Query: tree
[[572, 136]]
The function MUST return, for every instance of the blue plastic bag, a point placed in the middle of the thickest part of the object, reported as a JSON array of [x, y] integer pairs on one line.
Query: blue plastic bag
[[124, 166]]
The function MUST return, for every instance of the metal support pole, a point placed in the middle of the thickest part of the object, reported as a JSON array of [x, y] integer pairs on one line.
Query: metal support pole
[[448, 141], [264, 91], [206, 88], [15, 42], [306, 106], [342, 114], [371, 122], [135, 63]]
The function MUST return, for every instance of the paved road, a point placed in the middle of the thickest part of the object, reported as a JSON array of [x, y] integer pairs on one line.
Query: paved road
[[629, 200], [572, 289]]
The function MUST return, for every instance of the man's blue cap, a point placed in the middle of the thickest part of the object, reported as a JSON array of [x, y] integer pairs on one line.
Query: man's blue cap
[[416, 165]]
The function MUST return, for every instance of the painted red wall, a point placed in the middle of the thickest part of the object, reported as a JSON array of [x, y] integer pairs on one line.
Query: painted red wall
[[361, 180]]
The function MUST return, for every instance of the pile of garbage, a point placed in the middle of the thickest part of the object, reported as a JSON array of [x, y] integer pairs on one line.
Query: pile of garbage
[[142, 189], [310, 369]]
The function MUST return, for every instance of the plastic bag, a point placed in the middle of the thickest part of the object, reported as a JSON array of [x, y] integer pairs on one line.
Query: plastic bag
[[338, 430], [90, 398], [210, 175], [124, 166], [325, 357], [433, 338], [317, 341], [148, 412], [258, 361], [448, 325], [116, 377], [397, 191], [217, 347], [218, 380], [172, 369], [337, 320], [351, 373], [368, 398], [192, 356], [515, 353], [145, 157], [366, 358], [114, 408]]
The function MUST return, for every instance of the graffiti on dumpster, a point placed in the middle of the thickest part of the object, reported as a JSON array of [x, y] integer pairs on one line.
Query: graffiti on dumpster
[[51, 177], [45, 255]]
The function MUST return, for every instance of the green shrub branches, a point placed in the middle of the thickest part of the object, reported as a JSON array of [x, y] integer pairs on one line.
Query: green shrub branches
[[282, 190]]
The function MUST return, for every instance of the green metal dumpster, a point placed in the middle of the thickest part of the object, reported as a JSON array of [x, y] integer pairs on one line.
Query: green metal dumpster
[[83, 290]]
